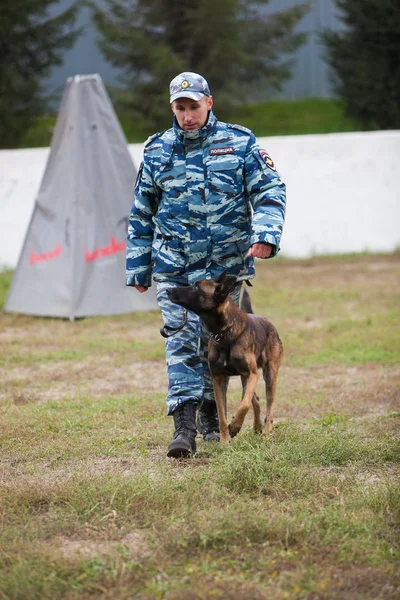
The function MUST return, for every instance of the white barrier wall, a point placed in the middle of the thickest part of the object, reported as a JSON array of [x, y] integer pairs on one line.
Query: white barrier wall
[[343, 192], [21, 172]]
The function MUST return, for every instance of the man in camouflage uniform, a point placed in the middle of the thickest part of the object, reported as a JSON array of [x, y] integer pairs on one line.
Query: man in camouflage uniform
[[207, 199]]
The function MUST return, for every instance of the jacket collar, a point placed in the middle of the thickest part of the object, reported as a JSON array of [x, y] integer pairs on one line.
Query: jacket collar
[[200, 134]]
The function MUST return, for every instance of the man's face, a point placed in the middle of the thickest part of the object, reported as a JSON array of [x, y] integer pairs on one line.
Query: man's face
[[191, 115]]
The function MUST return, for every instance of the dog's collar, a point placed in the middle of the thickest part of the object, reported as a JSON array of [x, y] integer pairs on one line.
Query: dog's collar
[[217, 337]]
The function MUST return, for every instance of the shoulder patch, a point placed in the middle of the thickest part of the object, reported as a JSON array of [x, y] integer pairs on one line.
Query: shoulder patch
[[265, 157], [240, 128]]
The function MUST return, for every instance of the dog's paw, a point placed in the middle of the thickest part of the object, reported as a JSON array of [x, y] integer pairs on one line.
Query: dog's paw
[[233, 430]]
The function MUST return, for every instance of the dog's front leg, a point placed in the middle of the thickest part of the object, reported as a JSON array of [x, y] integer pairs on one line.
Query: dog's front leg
[[245, 404], [256, 406], [270, 373], [220, 400], [257, 413]]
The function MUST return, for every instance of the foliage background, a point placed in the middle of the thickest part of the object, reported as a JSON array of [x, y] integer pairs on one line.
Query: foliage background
[[31, 43], [364, 60]]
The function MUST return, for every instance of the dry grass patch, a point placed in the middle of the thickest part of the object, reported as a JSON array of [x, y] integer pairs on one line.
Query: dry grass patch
[[133, 543], [91, 508], [92, 376]]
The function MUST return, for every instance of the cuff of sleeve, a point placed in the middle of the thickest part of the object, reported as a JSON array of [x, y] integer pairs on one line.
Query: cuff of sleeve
[[142, 279], [266, 238]]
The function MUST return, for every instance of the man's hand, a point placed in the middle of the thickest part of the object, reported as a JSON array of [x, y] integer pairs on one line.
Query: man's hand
[[260, 250], [141, 288]]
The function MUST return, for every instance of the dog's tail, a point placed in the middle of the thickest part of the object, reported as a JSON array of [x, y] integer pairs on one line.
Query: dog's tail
[[245, 302]]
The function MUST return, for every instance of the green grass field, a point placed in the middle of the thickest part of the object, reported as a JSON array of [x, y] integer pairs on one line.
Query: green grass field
[[91, 508], [313, 115]]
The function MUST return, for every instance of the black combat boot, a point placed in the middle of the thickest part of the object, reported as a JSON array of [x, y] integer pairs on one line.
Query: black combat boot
[[207, 422], [184, 440]]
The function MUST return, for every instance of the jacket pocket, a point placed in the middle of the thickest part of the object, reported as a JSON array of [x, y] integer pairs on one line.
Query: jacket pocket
[[230, 255], [168, 257], [223, 175]]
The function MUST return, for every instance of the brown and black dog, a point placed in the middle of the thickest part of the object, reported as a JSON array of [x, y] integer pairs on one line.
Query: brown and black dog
[[240, 343]]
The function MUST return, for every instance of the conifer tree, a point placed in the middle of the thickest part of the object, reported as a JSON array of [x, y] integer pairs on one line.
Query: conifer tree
[[241, 50], [364, 57], [31, 43]]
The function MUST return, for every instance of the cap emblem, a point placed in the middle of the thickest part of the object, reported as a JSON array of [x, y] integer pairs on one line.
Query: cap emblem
[[188, 85]]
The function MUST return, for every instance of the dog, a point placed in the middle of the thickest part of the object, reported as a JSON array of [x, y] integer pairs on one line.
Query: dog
[[240, 343]]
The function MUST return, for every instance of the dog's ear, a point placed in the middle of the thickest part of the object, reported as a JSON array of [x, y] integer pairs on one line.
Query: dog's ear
[[225, 284]]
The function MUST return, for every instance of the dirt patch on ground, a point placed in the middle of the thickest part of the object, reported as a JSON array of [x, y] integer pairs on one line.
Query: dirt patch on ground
[[87, 377], [133, 543], [48, 477], [360, 390], [351, 391], [359, 582]]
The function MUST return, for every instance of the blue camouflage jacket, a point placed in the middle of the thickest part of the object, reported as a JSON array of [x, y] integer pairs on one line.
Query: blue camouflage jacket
[[202, 199]]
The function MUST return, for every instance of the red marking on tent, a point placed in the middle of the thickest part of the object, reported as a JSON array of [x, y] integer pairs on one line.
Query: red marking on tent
[[44, 256], [113, 248]]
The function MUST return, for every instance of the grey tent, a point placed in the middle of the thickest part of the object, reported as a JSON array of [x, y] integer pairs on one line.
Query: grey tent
[[72, 262]]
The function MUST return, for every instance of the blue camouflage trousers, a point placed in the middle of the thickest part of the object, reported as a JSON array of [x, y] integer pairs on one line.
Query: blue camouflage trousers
[[186, 351]]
